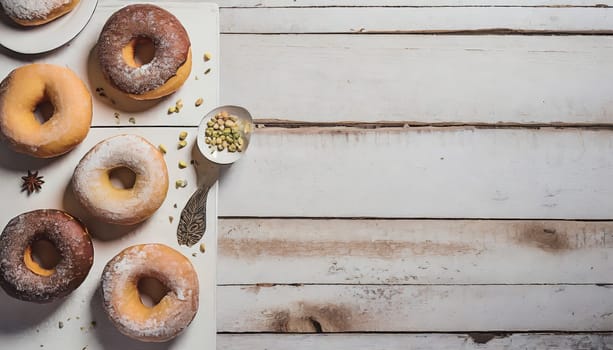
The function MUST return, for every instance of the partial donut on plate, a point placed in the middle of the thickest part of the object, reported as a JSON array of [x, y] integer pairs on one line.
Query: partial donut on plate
[[27, 87], [122, 303], [36, 12], [24, 278], [172, 59], [92, 186]]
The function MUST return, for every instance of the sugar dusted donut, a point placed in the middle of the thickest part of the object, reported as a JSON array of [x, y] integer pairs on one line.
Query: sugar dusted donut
[[171, 63], [28, 86], [92, 185], [23, 278], [36, 12], [174, 312]]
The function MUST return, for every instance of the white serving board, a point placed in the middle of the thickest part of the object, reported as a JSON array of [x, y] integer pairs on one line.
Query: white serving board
[[27, 325], [32, 326], [201, 20]]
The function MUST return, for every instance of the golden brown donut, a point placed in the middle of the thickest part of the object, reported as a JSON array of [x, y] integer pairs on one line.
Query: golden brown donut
[[174, 312], [93, 188], [36, 12], [23, 278], [28, 86], [171, 63]]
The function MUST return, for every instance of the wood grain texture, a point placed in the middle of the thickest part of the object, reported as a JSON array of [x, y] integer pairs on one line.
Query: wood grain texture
[[355, 308], [423, 173], [416, 20], [487, 341], [421, 78], [413, 251]]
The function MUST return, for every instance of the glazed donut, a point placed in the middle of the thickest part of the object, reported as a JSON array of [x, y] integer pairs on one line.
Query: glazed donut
[[23, 278], [171, 63], [93, 188], [36, 12], [28, 86], [122, 303]]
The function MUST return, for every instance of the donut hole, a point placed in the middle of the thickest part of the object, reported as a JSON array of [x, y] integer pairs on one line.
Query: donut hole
[[41, 257], [44, 110], [122, 178], [151, 291], [139, 51]]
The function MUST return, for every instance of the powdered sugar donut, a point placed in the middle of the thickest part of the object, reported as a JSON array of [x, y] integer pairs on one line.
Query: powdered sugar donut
[[92, 185], [174, 312], [172, 59], [36, 12], [23, 278]]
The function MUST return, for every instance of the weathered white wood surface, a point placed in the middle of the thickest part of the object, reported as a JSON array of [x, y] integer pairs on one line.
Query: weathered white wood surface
[[405, 3], [536, 341], [413, 251], [442, 172], [420, 20], [423, 172], [421, 78], [439, 308]]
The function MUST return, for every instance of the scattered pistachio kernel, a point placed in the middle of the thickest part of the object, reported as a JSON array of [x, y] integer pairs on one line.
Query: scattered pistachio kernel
[[202, 248], [182, 144], [180, 183], [207, 71], [194, 255], [199, 102], [207, 56], [179, 104], [182, 135], [162, 148], [171, 218], [182, 164], [172, 109], [132, 120]]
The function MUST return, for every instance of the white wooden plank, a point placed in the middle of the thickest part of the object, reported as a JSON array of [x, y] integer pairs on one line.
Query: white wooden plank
[[413, 251], [355, 308], [421, 19], [398, 3], [26, 325], [405, 3], [532, 341], [421, 78], [423, 173]]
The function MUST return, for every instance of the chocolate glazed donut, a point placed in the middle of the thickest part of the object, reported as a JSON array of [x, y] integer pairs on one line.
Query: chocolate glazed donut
[[23, 278], [123, 31]]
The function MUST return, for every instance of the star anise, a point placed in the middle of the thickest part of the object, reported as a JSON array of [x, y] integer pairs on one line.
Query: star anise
[[32, 182]]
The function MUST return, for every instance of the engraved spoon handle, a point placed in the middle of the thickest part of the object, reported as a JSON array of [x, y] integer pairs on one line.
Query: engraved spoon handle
[[192, 223]]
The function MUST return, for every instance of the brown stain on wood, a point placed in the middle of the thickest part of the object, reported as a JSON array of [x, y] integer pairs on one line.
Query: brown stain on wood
[[485, 337], [544, 237], [309, 318], [249, 247]]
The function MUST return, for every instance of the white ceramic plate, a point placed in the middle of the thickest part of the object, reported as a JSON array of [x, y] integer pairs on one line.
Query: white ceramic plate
[[246, 128], [49, 36]]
